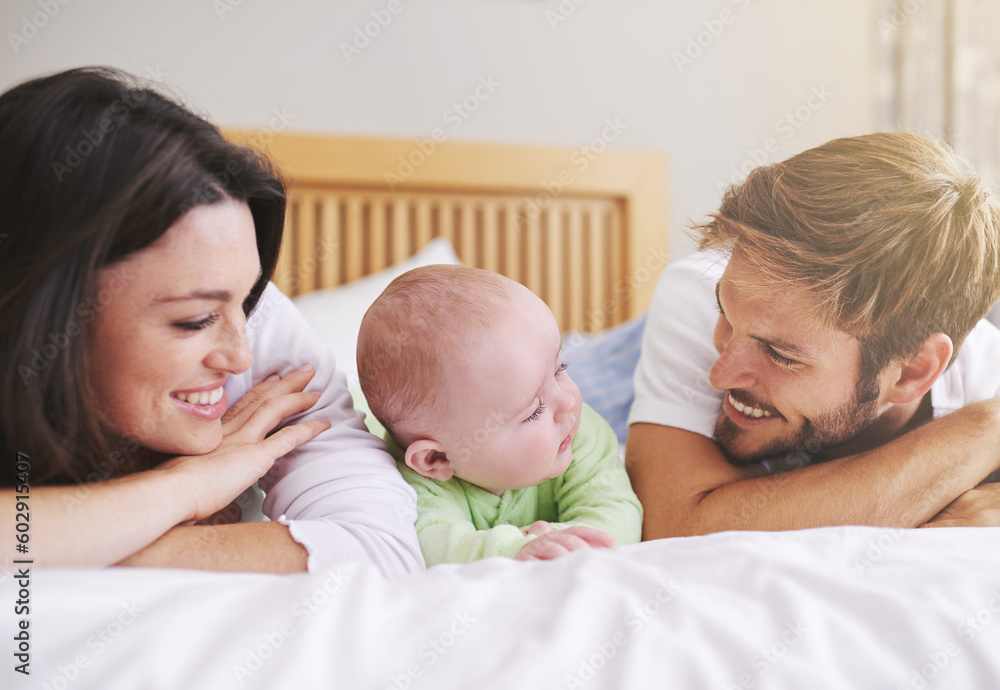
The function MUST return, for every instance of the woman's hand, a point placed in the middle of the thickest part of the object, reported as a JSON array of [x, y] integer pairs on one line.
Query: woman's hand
[[247, 450]]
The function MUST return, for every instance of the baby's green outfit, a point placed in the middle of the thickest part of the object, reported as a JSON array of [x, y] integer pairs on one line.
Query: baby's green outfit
[[458, 522]]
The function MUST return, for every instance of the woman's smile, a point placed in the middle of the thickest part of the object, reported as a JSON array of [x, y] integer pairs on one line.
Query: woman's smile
[[208, 405]]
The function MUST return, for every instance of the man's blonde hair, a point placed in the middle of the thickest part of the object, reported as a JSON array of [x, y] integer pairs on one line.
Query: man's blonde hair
[[892, 236], [421, 320]]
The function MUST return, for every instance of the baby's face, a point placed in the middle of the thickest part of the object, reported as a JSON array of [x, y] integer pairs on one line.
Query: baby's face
[[514, 411]]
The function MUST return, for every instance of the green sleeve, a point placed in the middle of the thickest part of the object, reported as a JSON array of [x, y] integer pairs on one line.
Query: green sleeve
[[445, 525], [595, 490]]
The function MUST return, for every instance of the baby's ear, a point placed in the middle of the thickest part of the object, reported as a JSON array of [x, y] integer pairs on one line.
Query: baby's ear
[[427, 458]]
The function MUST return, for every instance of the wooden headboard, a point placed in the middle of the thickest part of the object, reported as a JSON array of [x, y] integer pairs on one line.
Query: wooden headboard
[[585, 230]]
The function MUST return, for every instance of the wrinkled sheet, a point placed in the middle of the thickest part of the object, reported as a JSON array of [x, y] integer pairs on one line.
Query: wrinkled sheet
[[841, 607]]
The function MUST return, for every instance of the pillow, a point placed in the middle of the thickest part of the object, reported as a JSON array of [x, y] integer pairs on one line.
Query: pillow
[[602, 366], [336, 313]]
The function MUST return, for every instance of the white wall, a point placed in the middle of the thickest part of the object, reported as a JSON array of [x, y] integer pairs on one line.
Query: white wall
[[560, 75]]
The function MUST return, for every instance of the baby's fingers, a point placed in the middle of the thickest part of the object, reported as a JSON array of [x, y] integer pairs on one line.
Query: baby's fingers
[[539, 527], [593, 538], [541, 550]]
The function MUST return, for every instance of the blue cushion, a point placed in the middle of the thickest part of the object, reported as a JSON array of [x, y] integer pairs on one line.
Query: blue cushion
[[602, 365]]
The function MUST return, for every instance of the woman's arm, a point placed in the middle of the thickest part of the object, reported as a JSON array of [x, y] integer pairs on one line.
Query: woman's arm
[[264, 547], [102, 523], [95, 524]]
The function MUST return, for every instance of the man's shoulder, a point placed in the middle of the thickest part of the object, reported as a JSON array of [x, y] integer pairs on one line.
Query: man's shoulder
[[974, 375]]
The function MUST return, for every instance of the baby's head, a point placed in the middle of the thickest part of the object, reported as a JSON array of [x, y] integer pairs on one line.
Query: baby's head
[[462, 367]]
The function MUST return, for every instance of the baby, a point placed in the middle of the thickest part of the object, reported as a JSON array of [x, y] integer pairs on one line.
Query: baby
[[462, 367]]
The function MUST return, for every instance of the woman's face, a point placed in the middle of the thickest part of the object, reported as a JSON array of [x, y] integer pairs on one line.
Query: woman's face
[[170, 330]]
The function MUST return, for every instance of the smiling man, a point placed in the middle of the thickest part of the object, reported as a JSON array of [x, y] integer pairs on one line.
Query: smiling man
[[822, 360]]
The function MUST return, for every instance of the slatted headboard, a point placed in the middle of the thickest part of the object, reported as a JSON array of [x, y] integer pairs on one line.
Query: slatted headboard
[[586, 231]]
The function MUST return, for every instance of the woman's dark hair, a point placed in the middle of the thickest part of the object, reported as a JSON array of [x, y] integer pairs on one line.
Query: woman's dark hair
[[95, 165]]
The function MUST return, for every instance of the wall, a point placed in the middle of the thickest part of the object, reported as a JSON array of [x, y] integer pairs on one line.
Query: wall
[[715, 85]]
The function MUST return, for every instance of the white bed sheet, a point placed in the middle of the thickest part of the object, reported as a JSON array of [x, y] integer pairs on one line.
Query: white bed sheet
[[839, 607]]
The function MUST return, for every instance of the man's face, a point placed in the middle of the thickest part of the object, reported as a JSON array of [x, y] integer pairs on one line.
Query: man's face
[[790, 382]]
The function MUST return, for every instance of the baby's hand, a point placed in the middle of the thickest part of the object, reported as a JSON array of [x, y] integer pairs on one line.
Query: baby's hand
[[553, 543]]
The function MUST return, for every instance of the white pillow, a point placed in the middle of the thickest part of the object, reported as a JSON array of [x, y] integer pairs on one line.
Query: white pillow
[[336, 313]]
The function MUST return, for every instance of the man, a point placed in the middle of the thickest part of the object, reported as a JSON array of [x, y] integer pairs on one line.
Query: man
[[822, 360]]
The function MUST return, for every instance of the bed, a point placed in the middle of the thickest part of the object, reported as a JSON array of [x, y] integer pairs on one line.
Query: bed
[[839, 607]]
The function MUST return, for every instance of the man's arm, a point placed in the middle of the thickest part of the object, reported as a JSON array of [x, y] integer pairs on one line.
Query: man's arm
[[687, 487], [979, 507]]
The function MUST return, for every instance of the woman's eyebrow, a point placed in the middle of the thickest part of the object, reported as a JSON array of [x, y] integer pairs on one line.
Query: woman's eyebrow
[[210, 295]]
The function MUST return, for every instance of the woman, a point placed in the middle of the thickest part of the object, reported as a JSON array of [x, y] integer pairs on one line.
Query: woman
[[145, 357]]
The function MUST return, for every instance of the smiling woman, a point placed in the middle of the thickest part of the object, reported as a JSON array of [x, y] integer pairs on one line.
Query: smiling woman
[[173, 321], [150, 372]]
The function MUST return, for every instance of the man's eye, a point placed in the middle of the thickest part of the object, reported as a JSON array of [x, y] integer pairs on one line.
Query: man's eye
[[778, 358]]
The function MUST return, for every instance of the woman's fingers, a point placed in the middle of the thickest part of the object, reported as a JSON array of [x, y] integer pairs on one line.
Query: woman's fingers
[[270, 388], [252, 397], [268, 415], [217, 478], [291, 437]]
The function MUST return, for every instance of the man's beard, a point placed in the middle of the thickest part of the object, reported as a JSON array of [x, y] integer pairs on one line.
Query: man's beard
[[832, 429]]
